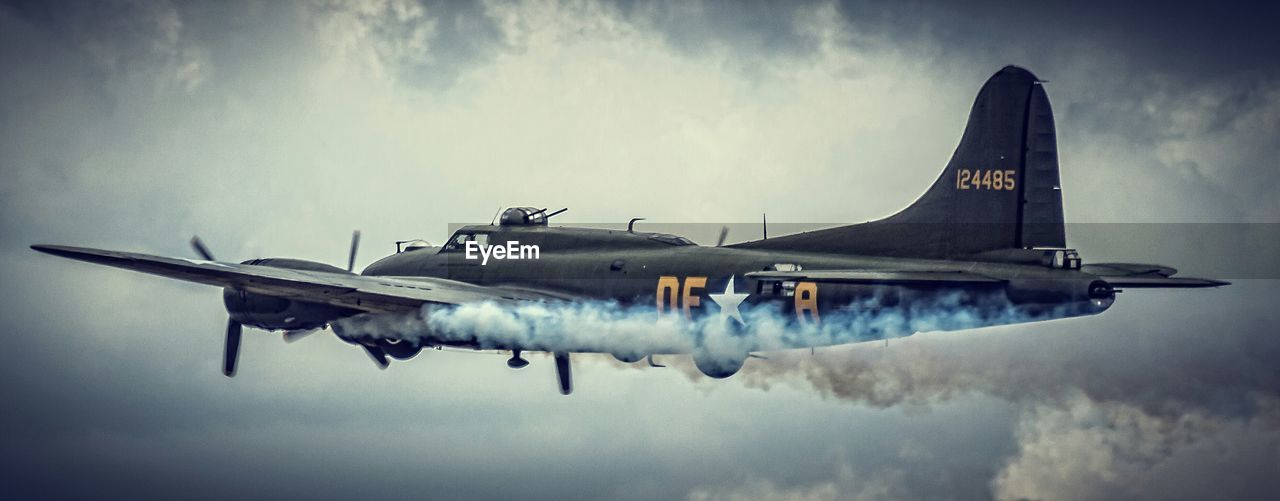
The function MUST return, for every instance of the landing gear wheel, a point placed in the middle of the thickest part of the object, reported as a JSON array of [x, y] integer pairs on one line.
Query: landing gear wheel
[[515, 362]]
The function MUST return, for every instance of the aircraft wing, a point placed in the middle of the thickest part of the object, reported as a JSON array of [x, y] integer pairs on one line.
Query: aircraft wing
[[877, 276], [367, 293]]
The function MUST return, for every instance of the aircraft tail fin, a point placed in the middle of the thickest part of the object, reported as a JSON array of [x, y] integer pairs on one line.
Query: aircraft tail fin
[[999, 191]]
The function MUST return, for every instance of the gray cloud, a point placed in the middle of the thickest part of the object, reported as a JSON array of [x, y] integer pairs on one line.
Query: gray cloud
[[274, 128], [1086, 449]]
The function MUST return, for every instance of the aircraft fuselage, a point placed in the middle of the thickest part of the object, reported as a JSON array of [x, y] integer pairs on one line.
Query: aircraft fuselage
[[678, 278]]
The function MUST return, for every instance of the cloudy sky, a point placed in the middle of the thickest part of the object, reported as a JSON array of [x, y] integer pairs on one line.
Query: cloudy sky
[[275, 128]]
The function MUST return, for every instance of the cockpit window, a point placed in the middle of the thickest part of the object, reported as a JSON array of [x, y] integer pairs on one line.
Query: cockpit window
[[460, 239], [671, 239]]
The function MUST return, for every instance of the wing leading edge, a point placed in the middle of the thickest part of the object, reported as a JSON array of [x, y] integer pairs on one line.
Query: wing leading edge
[[375, 294]]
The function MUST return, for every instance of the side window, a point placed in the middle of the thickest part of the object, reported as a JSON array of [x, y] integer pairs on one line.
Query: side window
[[482, 239], [784, 288]]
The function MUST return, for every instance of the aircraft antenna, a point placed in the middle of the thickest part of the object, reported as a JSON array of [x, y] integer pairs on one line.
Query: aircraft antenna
[[631, 225], [764, 225], [495, 216]]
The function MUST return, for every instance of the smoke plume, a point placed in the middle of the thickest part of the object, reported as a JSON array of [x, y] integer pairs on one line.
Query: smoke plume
[[634, 331]]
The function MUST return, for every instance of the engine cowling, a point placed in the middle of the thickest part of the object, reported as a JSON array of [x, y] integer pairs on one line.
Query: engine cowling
[[275, 313]]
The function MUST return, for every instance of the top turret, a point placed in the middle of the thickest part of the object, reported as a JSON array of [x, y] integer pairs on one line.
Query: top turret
[[523, 216]]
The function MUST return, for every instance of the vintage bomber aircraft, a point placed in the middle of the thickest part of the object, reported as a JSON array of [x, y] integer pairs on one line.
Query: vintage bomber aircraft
[[991, 223]]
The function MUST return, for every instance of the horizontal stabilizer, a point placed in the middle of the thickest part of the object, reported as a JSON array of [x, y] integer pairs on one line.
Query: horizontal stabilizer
[[1128, 270], [1163, 283], [1145, 276]]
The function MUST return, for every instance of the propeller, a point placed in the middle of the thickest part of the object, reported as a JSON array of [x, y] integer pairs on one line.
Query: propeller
[[724, 233], [355, 245], [231, 351], [231, 345], [379, 357], [564, 374], [201, 249]]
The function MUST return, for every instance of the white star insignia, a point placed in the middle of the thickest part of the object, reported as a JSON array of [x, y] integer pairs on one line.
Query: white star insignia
[[729, 301]]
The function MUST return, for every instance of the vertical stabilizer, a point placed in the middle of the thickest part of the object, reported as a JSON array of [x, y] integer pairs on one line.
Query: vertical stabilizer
[[999, 191]]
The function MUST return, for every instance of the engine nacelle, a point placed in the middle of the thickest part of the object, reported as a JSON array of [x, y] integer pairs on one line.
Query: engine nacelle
[[718, 366], [399, 349], [276, 313], [399, 335]]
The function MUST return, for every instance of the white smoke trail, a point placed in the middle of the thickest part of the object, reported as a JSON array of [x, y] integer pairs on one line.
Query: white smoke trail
[[632, 332]]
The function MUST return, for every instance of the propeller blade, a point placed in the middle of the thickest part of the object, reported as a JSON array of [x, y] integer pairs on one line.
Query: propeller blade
[[724, 232], [564, 373], [231, 350], [377, 355], [355, 244], [291, 336], [200, 249]]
